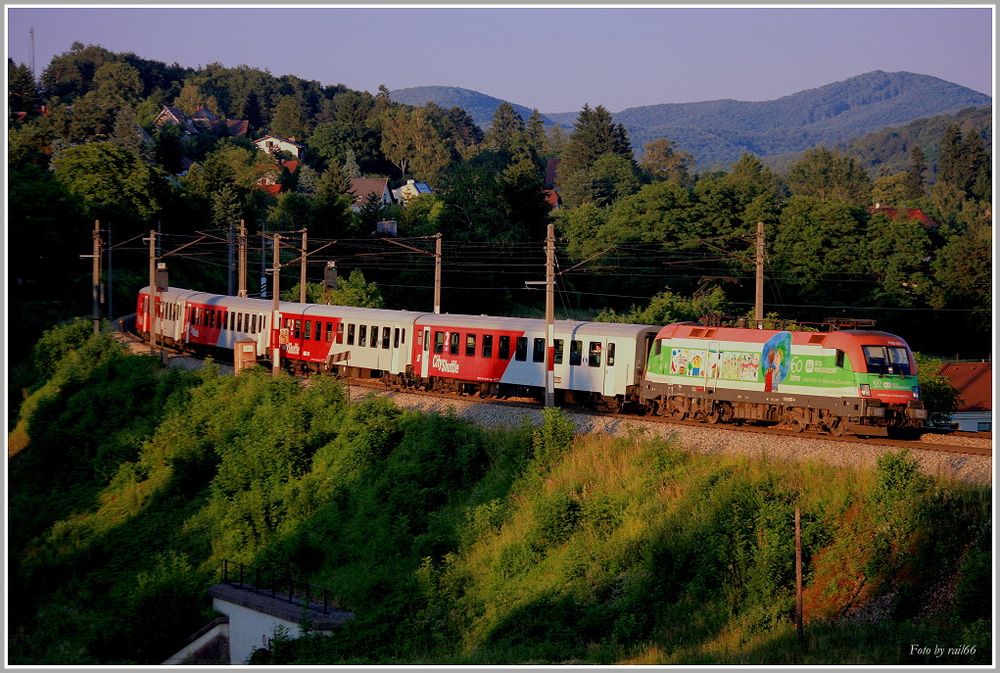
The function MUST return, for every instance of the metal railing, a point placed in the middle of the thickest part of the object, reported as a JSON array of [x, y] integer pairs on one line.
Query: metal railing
[[278, 585]]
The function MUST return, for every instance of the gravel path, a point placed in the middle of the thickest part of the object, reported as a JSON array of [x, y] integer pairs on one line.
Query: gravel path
[[713, 440]]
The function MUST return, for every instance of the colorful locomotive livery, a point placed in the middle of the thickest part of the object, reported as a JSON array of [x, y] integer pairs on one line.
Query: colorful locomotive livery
[[848, 381]]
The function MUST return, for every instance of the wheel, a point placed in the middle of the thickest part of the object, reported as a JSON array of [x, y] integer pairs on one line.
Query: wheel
[[839, 427], [714, 416]]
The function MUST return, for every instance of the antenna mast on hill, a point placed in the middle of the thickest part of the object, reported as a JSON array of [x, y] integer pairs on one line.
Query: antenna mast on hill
[[31, 38]]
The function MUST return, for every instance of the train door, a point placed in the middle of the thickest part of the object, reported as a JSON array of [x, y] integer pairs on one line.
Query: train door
[[613, 371], [713, 366], [425, 353], [398, 348]]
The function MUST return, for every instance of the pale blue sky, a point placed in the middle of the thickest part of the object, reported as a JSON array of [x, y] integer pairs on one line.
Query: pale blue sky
[[554, 59]]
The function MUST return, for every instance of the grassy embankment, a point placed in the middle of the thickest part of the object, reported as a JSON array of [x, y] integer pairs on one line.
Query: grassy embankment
[[458, 545]]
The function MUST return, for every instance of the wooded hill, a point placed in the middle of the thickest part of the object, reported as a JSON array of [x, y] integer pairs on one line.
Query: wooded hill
[[719, 132]]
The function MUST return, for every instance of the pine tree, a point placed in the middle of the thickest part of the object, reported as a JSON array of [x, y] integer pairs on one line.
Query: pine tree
[[506, 131], [950, 156], [289, 120], [594, 134], [537, 140], [350, 167], [915, 174], [22, 93]]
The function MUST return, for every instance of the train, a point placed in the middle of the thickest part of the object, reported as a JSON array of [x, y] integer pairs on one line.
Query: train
[[860, 382]]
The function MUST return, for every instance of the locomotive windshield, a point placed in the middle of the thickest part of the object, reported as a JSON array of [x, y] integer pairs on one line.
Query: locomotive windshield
[[887, 360]]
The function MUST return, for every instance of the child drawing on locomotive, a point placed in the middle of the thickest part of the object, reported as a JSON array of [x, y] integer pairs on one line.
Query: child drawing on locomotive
[[774, 359]]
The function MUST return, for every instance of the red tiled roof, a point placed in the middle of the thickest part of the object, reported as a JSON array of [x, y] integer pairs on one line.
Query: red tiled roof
[[910, 213], [291, 165], [552, 198], [974, 383], [270, 189]]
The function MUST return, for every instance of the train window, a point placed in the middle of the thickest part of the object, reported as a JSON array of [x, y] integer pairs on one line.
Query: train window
[[840, 358], [425, 336], [374, 341], [521, 349], [362, 335], [538, 354], [350, 335], [318, 334], [385, 337], [575, 352], [470, 345], [395, 338], [487, 346], [594, 356], [453, 343], [308, 330], [439, 342], [659, 346], [611, 355], [298, 329], [253, 323], [558, 348], [504, 352], [340, 332], [402, 336]]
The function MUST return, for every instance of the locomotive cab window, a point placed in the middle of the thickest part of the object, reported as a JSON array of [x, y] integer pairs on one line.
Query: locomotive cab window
[[887, 360], [504, 348], [538, 353], [521, 349], [840, 358], [575, 352], [558, 348], [470, 345], [594, 354]]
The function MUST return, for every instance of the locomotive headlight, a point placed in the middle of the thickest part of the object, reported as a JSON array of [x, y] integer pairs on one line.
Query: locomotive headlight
[[866, 390], [916, 392]]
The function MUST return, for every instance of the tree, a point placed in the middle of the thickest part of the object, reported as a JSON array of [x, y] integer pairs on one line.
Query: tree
[[289, 119], [350, 167], [950, 162], [963, 273], [594, 135], [892, 190], [915, 182], [22, 93], [536, 138], [115, 85], [354, 290], [896, 251], [129, 136], [506, 131], [610, 178], [111, 182], [662, 162], [818, 247], [189, 99], [409, 139], [251, 110], [71, 74], [830, 176]]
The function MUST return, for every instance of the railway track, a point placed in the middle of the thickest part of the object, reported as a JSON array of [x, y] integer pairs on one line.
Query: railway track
[[954, 443]]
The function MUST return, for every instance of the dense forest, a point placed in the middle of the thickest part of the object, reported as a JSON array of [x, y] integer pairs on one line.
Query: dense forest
[[648, 239], [452, 544]]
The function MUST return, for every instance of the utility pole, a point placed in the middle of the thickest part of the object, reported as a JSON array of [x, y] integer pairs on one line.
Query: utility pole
[[275, 313], [798, 573], [302, 270], [437, 272], [243, 259], [110, 288], [95, 290], [151, 312], [550, 304], [758, 311]]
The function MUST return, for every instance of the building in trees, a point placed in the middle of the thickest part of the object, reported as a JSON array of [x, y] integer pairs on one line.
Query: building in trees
[[275, 145], [363, 188]]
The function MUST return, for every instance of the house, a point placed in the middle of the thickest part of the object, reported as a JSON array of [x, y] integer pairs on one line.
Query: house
[[362, 187], [272, 144], [270, 175], [202, 121], [552, 198], [909, 213], [410, 190], [975, 390], [172, 115]]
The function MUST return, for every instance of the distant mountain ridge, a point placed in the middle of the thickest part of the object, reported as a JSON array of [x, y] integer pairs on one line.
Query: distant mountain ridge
[[718, 132], [479, 106]]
